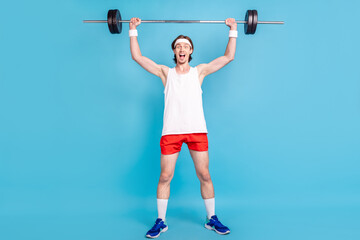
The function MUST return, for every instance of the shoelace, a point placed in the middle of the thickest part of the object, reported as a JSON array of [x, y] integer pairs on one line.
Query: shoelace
[[156, 226], [217, 223]]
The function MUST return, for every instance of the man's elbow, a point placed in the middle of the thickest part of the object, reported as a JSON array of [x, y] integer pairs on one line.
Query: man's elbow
[[229, 56], [135, 58]]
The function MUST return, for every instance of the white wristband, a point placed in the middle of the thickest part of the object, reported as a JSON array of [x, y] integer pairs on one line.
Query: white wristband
[[233, 33], [133, 33]]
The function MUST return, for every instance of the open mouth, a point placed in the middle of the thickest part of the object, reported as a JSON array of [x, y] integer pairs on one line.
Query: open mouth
[[182, 56]]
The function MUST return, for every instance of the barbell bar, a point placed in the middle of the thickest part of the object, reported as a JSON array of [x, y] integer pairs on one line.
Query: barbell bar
[[114, 21]]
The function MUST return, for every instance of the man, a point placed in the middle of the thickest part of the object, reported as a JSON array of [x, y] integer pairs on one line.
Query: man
[[184, 119]]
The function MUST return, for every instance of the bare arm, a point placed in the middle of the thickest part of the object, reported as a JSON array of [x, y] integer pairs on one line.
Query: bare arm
[[143, 61], [218, 63]]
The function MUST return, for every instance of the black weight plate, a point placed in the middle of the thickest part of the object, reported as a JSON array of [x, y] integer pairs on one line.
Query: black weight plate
[[115, 21], [118, 24], [109, 20], [246, 20], [249, 19], [255, 21], [112, 21]]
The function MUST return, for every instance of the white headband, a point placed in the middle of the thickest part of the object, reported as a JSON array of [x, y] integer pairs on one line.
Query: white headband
[[182, 40]]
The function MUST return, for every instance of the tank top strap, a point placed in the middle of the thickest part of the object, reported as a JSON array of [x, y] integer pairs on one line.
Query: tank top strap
[[195, 77], [169, 76], [194, 72]]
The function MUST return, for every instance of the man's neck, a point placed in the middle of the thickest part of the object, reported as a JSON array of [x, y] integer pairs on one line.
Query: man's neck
[[183, 67]]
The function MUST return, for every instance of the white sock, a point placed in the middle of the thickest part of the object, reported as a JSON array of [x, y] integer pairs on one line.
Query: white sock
[[210, 207], [162, 206]]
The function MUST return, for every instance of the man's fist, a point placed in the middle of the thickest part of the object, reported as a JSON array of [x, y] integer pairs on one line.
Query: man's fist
[[134, 22], [231, 23]]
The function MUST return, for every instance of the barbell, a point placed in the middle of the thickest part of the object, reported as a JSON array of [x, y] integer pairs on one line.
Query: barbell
[[114, 21]]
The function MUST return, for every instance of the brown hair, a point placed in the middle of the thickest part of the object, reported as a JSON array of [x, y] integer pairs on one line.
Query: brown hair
[[173, 47]]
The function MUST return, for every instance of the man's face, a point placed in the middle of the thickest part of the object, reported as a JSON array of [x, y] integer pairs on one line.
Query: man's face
[[182, 52]]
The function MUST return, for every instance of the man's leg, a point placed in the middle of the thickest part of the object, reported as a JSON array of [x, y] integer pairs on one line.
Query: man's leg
[[168, 163], [163, 192], [201, 162]]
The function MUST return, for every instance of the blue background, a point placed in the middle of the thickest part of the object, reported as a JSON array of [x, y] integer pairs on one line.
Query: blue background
[[81, 121]]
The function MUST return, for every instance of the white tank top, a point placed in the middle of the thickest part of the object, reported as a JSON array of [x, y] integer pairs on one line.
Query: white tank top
[[183, 111]]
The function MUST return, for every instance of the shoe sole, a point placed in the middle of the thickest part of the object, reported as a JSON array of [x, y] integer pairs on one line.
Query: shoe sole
[[164, 230], [210, 228]]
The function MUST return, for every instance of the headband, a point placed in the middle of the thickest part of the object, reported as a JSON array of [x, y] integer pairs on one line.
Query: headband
[[182, 40]]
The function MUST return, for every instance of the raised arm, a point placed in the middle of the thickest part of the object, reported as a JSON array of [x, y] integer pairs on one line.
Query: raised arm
[[143, 61], [218, 63]]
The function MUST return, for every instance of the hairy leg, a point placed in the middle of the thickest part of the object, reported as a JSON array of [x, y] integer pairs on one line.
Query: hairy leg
[[168, 163], [201, 162]]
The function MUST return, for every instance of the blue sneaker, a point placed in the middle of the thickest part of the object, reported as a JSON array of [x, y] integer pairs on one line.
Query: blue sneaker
[[214, 224], [158, 228]]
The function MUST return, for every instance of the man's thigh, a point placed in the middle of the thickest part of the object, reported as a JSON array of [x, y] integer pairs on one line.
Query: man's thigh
[[168, 162], [200, 159]]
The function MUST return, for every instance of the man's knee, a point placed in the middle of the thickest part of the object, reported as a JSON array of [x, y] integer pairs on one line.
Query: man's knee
[[166, 177], [204, 176]]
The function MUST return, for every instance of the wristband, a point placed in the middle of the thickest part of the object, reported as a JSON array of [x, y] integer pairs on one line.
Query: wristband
[[233, 33], [133, 33]]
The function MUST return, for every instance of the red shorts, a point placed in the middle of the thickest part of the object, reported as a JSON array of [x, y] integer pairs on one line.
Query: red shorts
[[172, 143]]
